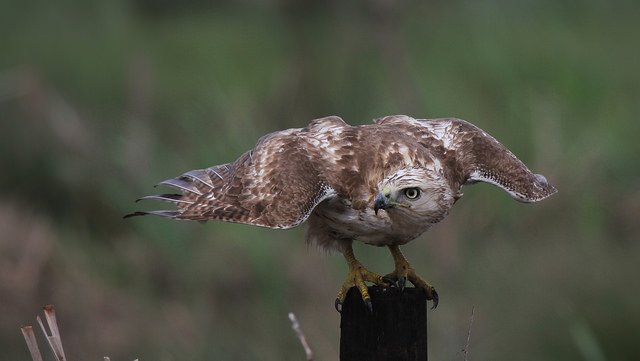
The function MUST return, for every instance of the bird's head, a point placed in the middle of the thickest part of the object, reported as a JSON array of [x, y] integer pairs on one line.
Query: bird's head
[[416, 193]]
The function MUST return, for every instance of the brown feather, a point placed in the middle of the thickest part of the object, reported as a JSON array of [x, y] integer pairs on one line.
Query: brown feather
[[332, 172]]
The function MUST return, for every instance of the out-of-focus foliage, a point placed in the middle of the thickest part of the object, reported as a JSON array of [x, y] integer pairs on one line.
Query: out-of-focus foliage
[[101, 99]]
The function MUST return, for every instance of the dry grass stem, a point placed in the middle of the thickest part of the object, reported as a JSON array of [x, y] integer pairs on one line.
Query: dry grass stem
[[52, 322], [465, 350], [54, 342], [32, 344], [54, 339], [295, 325]]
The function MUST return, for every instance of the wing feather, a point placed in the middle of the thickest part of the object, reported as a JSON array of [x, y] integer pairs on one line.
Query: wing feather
[[472, 155], [483, 159], [275, 185], [279, 182]]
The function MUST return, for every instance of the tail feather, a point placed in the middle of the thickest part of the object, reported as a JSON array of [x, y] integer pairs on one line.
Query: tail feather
[[197, 187], [201, 176], [162, 213], [171, 198], [181, 184]]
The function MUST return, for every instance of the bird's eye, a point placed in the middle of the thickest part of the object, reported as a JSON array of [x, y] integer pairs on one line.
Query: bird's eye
[[412, 193]]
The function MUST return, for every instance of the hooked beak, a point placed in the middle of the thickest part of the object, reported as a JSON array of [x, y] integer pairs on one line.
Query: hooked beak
[[382, 201]]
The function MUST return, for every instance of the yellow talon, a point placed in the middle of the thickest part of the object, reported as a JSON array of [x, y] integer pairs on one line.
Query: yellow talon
[[404, 272], [357, 277]]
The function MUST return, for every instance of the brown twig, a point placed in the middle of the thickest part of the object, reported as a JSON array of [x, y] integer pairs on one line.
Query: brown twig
[[295, 325]]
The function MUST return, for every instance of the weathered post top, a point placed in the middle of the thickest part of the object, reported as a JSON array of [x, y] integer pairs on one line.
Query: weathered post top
[[396, 330]]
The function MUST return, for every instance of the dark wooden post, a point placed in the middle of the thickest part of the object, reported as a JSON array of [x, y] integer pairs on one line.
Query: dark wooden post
[[396, 330]]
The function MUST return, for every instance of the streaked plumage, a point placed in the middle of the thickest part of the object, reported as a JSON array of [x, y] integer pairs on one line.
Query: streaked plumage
[[330, 173]]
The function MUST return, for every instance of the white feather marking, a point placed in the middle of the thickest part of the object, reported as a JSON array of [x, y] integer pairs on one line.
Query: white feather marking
[[330, 151], [329, 128], [318, 142], [437, 165], [216, 173], [325, 193], [404, 150], [442, 131], [478, 176], [194, 175]]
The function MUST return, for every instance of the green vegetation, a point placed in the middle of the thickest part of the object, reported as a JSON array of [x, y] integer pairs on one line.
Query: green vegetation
[[99, 100]]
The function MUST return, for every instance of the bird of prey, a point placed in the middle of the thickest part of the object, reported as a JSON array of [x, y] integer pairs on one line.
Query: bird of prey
[[383, 184]]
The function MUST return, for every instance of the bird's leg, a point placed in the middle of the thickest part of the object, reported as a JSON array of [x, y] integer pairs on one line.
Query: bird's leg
[[404, 272], [357, 276]]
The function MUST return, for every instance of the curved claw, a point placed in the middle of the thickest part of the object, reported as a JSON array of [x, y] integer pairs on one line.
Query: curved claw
[[402, 282], [369, 305], [432, 294], [392, 282], [393, 279], [367, 302], [434, 297]]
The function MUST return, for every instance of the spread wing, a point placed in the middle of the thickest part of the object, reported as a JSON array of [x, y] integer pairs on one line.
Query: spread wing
[[274, 185], [475, 156]]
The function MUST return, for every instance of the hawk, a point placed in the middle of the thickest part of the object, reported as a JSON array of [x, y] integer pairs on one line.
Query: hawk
[[383, 184]]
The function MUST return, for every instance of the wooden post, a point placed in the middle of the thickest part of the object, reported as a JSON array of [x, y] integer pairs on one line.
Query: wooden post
[[396, 330]]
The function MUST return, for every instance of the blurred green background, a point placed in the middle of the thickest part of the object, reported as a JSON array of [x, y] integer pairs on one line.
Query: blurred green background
[[101, 99]]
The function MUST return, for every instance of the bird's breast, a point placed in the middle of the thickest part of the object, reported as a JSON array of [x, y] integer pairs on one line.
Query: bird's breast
[[365, 226]]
